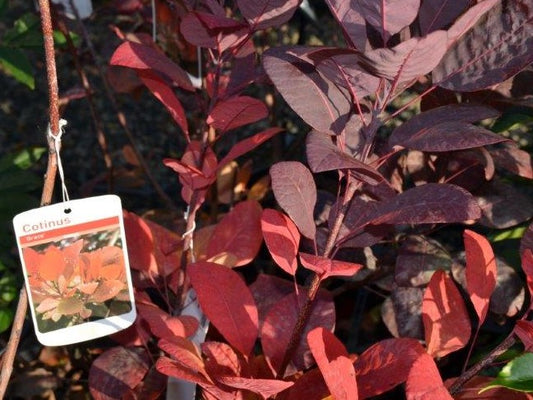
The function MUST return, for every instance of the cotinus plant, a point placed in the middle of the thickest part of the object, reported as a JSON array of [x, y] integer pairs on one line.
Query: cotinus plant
[[400, 116]]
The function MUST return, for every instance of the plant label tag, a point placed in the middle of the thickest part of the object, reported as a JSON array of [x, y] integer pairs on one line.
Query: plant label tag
[[75, 263]]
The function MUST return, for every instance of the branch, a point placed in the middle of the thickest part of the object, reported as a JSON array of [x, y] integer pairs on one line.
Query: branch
[[48, 186], [485, 362]]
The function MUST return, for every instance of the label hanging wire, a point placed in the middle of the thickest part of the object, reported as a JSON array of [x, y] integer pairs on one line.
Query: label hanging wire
[[57, 148]]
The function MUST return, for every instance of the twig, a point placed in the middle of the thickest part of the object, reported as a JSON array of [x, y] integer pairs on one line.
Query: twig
[[121, 116], [48, 186], [98, 125], [485, 362]]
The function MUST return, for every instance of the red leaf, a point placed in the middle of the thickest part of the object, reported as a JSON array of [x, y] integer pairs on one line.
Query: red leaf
[[446, 321], [282, 239], [248, 144], [266, 388], [385, 365], [310, 385], [188, 169], [238, 234], [495, 49], [480, 272], [116, 372], [527, 266], [326, 267], [333, 361], [221, 360], [186, 363], [424, 381], [524, 330], [166, 326], [151, 247], [323, 155], [282, 317], [408, 60], [317, 100], [295, 191], [262, 14], [170, 367], [227, 302], [267, 291], [143, 57], [418, 124], [389, 16], [166, 96], [236, 111]]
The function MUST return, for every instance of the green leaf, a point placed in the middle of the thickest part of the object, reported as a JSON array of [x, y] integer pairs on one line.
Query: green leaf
[[15, 63], [24, 159], [26, 32], [511, 120], [6, 318], [8, 289], [61, 41], [516, 375], [511, 233]]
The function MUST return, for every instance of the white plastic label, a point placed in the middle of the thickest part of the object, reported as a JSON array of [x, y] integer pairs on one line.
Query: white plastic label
[[76, 269]]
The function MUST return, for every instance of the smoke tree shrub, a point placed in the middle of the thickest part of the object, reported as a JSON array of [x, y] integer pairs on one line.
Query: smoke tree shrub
[[398, 184]]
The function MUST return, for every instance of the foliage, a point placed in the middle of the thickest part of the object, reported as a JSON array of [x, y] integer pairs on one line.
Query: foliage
[[17, 184], [400, 115]]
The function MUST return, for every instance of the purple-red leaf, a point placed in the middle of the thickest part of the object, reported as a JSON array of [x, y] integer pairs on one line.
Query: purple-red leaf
[[170, 367], [295, 192], [166, 96], [262, 14], [227, 302], [332, 360], [316, 99], [499, 46], [408, 60], [326, 267], [282, 239], [212, 31], [446, 321], [466, 21], [116, 372], [480, 272], [385, 365], [235, 112], [431, 203], [424, 381], [452, 136], [248, 144], [349, 16], [323, 155], [238, 234], [510, 157], [437, 14], [143, 57], [417, 125], [282, 317], [524, 330], [266, 388], [389, 16], [527, 267]]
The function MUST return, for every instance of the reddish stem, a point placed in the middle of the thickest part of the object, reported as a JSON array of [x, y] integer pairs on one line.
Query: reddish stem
[[48, 186]]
